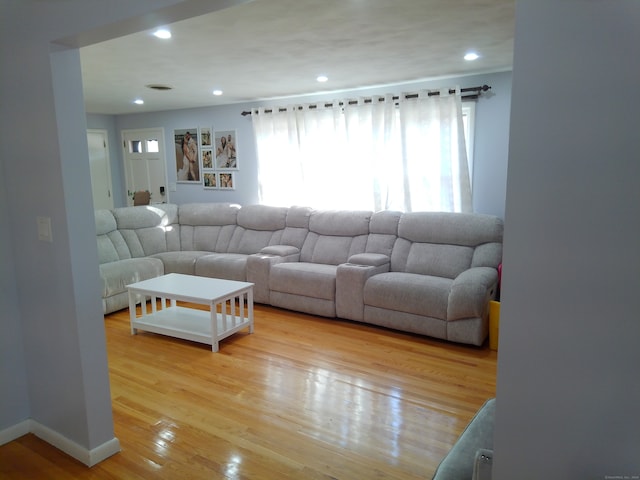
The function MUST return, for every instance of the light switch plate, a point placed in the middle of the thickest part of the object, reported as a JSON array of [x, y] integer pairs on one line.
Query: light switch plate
[[44, 229]]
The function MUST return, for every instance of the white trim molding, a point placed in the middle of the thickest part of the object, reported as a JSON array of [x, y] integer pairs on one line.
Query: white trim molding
[[88, 457], [16, 431]]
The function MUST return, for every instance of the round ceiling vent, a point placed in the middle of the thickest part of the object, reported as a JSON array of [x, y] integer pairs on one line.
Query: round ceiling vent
[[155, 86]]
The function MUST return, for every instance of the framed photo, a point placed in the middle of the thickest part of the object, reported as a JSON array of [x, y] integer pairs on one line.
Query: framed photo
[[207, 158], [210, 180], [187, 158], [205, 137], [226, 153], [226, 180]]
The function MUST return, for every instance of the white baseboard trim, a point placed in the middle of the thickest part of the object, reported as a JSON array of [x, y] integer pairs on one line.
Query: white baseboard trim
[[80, 453], [16, 431]]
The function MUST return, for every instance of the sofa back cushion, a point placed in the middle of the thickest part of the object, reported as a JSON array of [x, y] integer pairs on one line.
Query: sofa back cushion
[[383, 231], [171, 225], [111, 245], [143, 229], [258, 226], [207, 226], [297, 226], [439, 260], [335, 235], [446, 244]]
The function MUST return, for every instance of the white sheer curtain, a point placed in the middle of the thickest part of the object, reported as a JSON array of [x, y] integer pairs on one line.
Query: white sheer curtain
[[369, 155]]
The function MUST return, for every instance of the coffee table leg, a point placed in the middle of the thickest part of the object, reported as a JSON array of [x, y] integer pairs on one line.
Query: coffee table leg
[[214, 328], [250, 308], [132, 311]]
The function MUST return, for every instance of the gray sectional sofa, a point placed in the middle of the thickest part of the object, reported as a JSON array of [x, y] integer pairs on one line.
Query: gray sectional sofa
[[422, 272]]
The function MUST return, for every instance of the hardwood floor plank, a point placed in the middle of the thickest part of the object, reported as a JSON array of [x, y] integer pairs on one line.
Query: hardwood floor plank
[[301, 397]]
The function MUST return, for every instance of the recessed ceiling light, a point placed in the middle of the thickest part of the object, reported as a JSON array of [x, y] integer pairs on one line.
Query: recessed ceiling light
[[217, 93], [471, 56], [162, 33], [138, 101], [322, 78]]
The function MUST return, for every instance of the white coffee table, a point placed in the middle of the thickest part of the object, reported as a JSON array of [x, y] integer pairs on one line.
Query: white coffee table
[[230, 307]]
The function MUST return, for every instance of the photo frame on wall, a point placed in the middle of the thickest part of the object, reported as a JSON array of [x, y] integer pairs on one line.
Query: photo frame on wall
[[205, 137], [210, 180], [226, 180], [226, 150], [187, 155], [207, 158]]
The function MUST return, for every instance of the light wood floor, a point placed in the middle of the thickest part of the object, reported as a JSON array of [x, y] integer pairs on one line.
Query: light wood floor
[[301, 398]]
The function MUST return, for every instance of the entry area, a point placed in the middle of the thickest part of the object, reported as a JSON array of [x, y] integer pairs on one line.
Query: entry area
[[145, 164]]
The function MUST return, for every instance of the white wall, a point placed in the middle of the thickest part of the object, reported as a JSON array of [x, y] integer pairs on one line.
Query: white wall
[[491, 145], [220, 118], [491, 139], [56, 371], [568, 394], [14, 399]]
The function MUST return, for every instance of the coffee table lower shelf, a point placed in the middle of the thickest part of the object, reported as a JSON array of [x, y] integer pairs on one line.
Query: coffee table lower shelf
[[230, 307], [190, 324]]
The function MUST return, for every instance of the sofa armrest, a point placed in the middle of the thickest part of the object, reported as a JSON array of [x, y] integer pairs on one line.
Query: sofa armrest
[[371, 259], [459, 462], [351, 279], [471, 292], [259, 267], [280, 250], [483, 464]]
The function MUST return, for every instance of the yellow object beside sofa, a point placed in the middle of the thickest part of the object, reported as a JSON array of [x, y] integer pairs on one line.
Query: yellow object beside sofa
[[494, 324]]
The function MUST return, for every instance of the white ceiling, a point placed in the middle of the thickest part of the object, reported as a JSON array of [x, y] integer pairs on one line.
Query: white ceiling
[[276, 48]]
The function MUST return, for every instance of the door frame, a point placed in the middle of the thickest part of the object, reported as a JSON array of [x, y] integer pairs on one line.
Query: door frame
[[162, 155], [105, 138]]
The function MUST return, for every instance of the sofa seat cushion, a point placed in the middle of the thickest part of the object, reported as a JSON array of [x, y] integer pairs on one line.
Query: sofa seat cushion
[[308, 279], [230, 266], [180, 262], [117, 275], [409, 292]]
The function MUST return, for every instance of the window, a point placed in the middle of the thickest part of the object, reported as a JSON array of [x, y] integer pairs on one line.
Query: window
[[135, 146], [152, 146], [468, 120], [372, 155]]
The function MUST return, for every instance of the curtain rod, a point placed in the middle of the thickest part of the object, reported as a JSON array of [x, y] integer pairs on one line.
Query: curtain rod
[[473, 96]]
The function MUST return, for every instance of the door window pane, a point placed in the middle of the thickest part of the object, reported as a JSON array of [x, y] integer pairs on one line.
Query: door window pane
[[152, 146], [135, 146]]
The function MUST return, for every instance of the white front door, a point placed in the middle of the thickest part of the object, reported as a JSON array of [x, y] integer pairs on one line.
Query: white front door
[[145, 163], [101, 185]]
